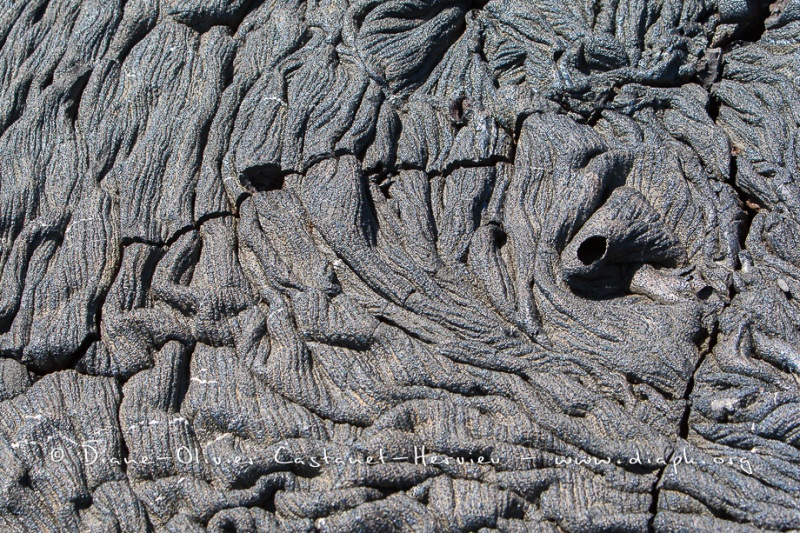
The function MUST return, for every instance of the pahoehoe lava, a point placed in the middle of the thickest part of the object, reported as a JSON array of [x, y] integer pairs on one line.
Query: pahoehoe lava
[[399, 265]]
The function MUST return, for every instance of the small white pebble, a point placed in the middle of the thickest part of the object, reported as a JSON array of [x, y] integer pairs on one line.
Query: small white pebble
[[782, 285], [727, 404]]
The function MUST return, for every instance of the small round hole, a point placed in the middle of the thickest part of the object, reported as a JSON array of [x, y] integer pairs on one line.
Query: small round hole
[[261, 178], [592, 249], [705, 293], [501, 238], [458, 108]]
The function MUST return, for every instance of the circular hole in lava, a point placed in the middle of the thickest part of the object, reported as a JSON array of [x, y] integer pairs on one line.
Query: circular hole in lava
[[592, 249]]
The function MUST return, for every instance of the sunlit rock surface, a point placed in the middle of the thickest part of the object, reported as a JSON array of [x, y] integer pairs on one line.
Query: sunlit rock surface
[[403, 265]]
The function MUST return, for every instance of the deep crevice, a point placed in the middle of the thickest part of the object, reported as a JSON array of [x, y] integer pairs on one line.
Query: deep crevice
[[749, 204], [655, 492], [38, 14], [683, 428], [389, 322], [713, 107], [124, 453], [127, 241], [750, 30]]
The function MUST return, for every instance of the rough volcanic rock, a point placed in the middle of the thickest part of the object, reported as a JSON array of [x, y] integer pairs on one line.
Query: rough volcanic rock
[[402, 265]]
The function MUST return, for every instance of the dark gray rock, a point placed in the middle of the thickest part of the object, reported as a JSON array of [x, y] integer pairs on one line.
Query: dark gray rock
[[404, 265]]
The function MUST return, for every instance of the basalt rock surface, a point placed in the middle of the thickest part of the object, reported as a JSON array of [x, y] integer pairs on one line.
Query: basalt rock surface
[[402, 265]]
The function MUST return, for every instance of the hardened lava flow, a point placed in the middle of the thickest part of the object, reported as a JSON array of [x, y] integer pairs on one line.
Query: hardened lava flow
[[402, 265]]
